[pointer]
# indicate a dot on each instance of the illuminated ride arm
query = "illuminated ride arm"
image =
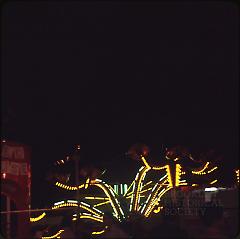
(82, 205)
(108, 190)
(157, 192)
(204, 171)
(138, 184)
(137, 187)
(36, 219)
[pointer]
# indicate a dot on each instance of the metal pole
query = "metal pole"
(77, 157)
(8, 218)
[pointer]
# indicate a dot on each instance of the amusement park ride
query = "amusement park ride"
(143, 197)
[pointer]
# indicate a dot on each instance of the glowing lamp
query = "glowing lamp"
(212, 189)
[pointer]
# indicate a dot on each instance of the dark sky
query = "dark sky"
(107, 75)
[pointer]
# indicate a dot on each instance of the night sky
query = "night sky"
(108, 75)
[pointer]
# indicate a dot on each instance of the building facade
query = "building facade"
(15, 190)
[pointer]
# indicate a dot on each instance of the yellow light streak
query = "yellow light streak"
(237, 174)
(158, 209)
(178, 175)
(147, 184)
(96, 198)
(90, 210)
(104, 188)
(98, 233)
(153, 204)
(129, 188)
(153, 193)
(75, 205)
(211, 170)
(87, 214)
(145, 190)
(129, 193)
(110, 199)
(159, 168)
(55, 235)
(214, 181)
(169, 176)
(146, 203)
(139, 187)
(87, 183)
(90, 217)
(151, 197)
(194, 185)
(65, 205)
(35, 219)
(145, 162)
(142, 196)
(131, 202)
(155, 199)
(201, 170)
(100, 204)
(71, 188)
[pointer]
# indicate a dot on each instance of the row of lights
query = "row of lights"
(109, 192)
(139, 185)
(211, 170)
(89, 216)
(62, 161)
(65, 205)
(35, 219)
(99, 232)
(81, 205)
(57, 235)
(99, 185)
(71, 188)
(202, 170)
(156, 202)
(179, 172)
(102, 203)
(97, 198)
(138, 181)
(214, 181)
(149, 197)
(150, 203)
(237, 174)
